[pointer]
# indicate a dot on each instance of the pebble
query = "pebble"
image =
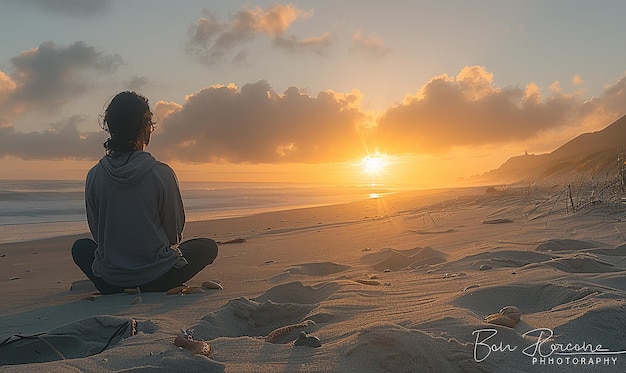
(512, 312)
(500, 319)
(507, 316)
(307, 341)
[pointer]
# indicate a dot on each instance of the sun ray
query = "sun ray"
(374, 164)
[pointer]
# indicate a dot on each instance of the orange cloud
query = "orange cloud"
(476, 82)
(532, 93)
(212, 41)
(255, 124)
(577, 80)
(258, 125)
(164, 109)
(6, 83)
(7, 109)
(469, 111)
(274, 21)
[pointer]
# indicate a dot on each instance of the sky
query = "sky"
(302, 91)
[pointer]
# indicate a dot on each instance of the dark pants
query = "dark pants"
(199, 252)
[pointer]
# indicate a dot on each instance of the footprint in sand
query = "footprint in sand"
(395, 260)
(296, 292)
(498, 259)
(284, 306)
(383, 347)
(605, 323)
(567, 245)
(310, 269)
(581, 263)
(529, 298)
(317, 269)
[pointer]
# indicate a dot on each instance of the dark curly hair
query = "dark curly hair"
(128, 120)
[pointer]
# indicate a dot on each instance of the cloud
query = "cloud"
(254, 124)
(468, 110)
(577, 80)
(49, 75)
(371, 47)
(72, 8)
(257, 125)
(317, 44)
(136, 83)
(212, 41)
(61, 143)
(7, 109)
(164, 109)
(614, 98)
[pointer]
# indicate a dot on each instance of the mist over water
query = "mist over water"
(35, 209)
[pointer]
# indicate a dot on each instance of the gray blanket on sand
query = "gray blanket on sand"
(82, 338)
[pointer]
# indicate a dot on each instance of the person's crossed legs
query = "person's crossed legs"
(199, 253)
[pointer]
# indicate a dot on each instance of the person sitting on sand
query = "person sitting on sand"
(135, 211)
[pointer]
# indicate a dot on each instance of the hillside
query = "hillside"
(586, 157)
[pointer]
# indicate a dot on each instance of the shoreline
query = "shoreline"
(208, 203)
(194, 217)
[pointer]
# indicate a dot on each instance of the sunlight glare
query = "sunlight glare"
(373, 164)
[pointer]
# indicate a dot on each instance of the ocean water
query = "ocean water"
(35, 209)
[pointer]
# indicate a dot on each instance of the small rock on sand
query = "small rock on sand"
(307, 340)
(507, 316)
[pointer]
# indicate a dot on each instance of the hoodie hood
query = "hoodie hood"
(128, 168)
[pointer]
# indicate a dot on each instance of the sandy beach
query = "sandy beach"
(399, 283)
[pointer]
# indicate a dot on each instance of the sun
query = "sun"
(374, 164)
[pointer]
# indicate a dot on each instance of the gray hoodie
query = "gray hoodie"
(135, 214)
